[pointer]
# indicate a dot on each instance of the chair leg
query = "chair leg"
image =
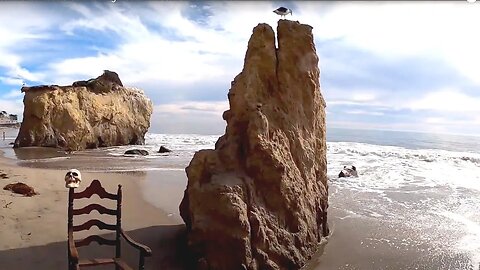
(141, 263)
(72, 266)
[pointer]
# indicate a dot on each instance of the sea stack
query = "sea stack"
(259, 199)
(88, 114)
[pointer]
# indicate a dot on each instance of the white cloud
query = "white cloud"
(206, 53)
(189, 117)
(116, 18)
(364, 112)
(468, 120)
(12, 106)
(467, 124)
(15, 93)
(447, 100)
(146, 55)
(21, 25)
(444, 100)
(363, 97)
(400, 29)
(215, 108)
(418, 126)
(434, 120)
(360, 97)
(11, 81)
(89, 67)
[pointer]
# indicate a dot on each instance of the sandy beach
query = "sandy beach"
(33, 230)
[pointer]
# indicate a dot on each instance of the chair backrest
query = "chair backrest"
(96, 188)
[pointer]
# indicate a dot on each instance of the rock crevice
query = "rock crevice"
(259, 200)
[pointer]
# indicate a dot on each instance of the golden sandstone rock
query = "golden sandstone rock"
(89, 114)
(259, 200)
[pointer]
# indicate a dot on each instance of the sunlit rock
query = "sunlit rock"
(259, 200)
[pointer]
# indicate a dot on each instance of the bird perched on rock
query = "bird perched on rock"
(283, 11)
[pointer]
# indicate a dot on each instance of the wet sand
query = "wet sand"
(33, 229)
(364, 244)
(360, 242)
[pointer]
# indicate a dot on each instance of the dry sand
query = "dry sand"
(33, 230)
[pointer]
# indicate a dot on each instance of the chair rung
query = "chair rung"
(102, 261)
(100, 240)
(89, 208)
(93, 262)
(95, 188)
(94, 222)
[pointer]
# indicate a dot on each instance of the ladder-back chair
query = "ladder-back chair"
(73, 261)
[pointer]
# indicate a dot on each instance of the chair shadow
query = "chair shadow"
(168, 244)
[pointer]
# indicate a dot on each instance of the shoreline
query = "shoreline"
(33, 229)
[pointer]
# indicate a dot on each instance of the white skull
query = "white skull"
(73, 178)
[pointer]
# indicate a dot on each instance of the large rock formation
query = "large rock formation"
(259, 200)
(95, 113)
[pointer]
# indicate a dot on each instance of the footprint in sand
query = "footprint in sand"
(26, 236)
(7, 205)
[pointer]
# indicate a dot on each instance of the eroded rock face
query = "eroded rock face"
(95, 113)
(259, 200)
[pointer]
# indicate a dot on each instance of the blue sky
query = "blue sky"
(384, 65)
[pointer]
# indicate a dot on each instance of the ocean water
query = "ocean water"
(415, 204)
(419, 193)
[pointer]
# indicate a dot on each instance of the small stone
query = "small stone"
(163, 149)
(139, 152)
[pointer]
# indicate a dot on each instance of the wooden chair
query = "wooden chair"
(73, 261)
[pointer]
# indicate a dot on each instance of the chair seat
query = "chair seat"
(94, 262)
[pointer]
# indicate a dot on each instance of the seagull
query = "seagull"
(283, 11)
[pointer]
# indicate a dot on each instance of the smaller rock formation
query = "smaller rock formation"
(139, 152)
(89, 114)
(163, 149)
(21, 188)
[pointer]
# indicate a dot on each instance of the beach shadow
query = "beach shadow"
(168, 244)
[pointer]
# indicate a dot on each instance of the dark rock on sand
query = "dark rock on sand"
(89, 114)
(259, 199)
(163, 149)
(348, 171)
(139, 152)
(21, 188)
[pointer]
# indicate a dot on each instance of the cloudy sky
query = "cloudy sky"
(384, 65)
